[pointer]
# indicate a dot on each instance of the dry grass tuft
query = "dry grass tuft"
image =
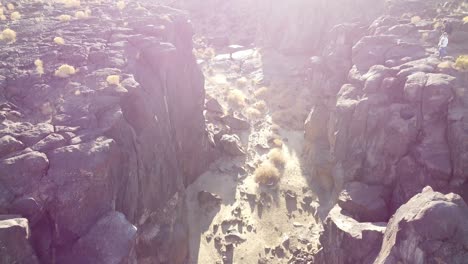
(236, 98)
(241, 82)
(121, 5)
(465, 20)
(65, 71)
(260, 106)
(15, 16)
(39, 66)
(113, 80)
(64, 18)
(276, 156)
(261, 92)
(8, 35)
(10, 6)
(462, 63)
(267, 173)
(82, 14)
(59, 40)
(253, 113)
(277, 143)
(70, 3)
(415, 19)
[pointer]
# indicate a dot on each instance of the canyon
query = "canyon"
(233, 132)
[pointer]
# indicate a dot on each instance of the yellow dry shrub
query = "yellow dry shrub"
(65, 71)
(39, 66)
(8, 35)
(465, 20)
(260, 106)
(10, 6)
(121, 5)
(15, 16)
(415, 19)
(113, 79)
(253, 113)
(59, 40)
(236, 98)
(276, 156)
(462, 62)
(2, 17)
(81, 15)
(70, 3)
(261, 92)
(277, 143)
(241, 82)
(267, 173)
(64, 18)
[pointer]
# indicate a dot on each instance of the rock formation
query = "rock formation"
(394, 127)
(100, 132)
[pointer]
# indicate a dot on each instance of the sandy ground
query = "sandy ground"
(262, 223)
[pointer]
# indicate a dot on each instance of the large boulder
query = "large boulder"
(14, 241)
(111, 240)
(345, 240)
(22, 173)
(430, 227)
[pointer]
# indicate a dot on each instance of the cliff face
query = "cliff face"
(87, 159)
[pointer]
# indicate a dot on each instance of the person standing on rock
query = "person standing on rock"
(443, 43)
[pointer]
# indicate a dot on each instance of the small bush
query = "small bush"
(121, 5)
(113, 80)
(81, 14)
(276, 156)
(260, 106)
(8, 35)
(15, 16)
(2, 17)
(465, 20)
(236, 98)
(59, 40)
(70, 3)
(267, 173)
(253, 113)
(241, 82)
(65, 71)
(39, 66)
(277, 143)
(261, 92)
(462, 62)
(64, 18)
(10, 6)
(415, 19)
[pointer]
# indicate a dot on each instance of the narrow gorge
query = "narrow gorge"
(243, 131)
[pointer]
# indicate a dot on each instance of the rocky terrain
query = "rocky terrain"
(183, 131)
(101, 149)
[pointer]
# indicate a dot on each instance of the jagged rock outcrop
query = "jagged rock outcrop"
(429, 228)
(107, 143)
